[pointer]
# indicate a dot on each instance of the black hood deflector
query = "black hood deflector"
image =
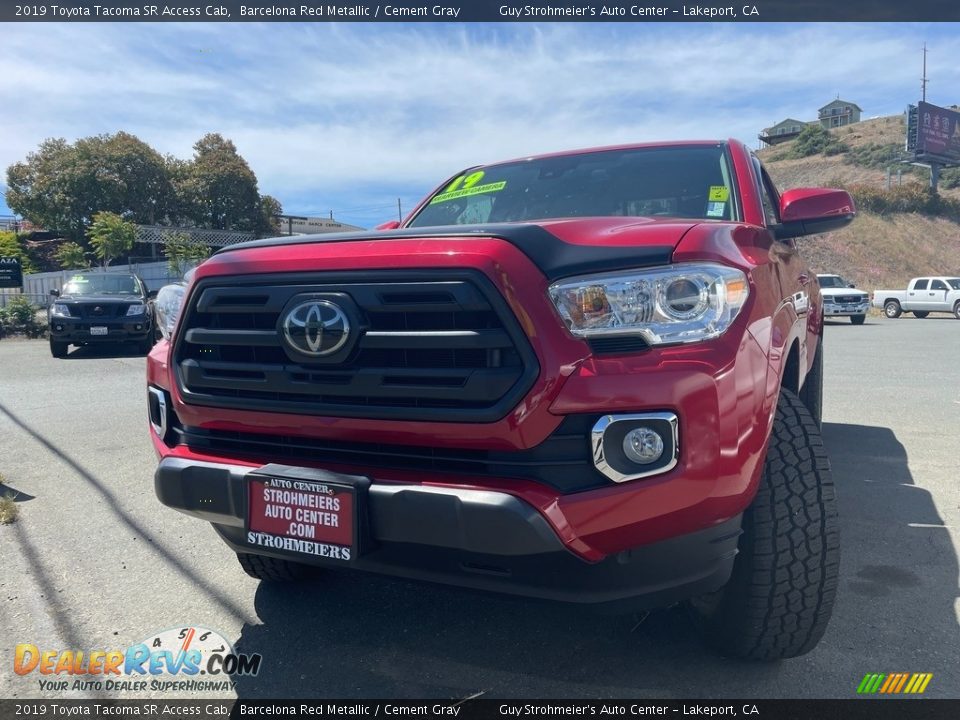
(555, 258)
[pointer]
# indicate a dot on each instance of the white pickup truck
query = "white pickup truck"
(842, 298)
(923, 296)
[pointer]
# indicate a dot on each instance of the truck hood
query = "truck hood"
(843, 292)
(98, 299)
(559, 248)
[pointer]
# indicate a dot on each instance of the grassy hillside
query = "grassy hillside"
(876, 250)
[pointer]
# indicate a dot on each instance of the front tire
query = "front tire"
(956, 310)
(892, 309)
(919, 314)
(784, 582)
(858, 319)
(273, 569)
(58, 349)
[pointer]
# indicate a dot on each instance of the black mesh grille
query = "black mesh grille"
(427, 347)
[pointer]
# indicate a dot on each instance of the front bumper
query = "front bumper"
(474, 538)
(127, 329)
(846, 309)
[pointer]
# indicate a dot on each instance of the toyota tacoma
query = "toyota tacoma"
(593, 376)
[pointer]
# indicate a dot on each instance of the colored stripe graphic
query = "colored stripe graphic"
(894, 683)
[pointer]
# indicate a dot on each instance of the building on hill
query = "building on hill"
(839, 113)
(781, 132)
(832, 115)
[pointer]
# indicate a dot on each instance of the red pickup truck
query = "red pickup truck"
(593, 376)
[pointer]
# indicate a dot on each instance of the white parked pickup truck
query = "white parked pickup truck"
(842, 298)
(923, 296)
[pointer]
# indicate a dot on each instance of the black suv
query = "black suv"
(101, 307)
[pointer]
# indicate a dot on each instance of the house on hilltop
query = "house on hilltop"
(839, 113)
(781, 132)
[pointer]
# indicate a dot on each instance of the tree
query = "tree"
(12, 246)
(71, 256)
(61, 186)
(269, 220)
(111, 236)
(217, 189)
(183, 252)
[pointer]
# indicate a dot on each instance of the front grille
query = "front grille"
(427, 346)
(849, 299)
(562, 461)
(95, 311)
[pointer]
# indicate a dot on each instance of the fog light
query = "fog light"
(635, 445)
(642, 446)
(138, 326)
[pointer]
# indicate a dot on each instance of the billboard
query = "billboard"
(11, 272)
(933, 133)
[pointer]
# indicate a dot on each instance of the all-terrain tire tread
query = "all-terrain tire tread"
(781, 595)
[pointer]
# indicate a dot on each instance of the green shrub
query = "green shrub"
(910, 198)
(19, 317)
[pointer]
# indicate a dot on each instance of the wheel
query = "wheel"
(274, 569)
(919, 314)
(811, 394)
(858, 319)
(891, 309)
(781, 593)
(145, 345)
(58, 349)
(956, 310)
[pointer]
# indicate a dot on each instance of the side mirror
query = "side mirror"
(389, 225)
(152, 295)
(807, 211)
(851, 285)
(55, 292)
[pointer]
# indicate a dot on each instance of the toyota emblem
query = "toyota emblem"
(316, 327)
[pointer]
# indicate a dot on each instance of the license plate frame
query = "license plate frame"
(315, 491)
(99, 330)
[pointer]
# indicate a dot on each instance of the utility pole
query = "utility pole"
(923, 80)
(399, 211)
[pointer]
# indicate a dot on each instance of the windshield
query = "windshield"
(832, 281)
(954, 283)
(683, 182)
(102, 285)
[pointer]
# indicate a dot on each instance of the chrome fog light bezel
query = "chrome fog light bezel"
(601, 453)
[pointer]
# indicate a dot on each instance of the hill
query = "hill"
(875, 250)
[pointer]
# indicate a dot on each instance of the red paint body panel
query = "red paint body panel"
(723, 390)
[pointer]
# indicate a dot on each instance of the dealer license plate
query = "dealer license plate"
(98, 330)
(305, 516)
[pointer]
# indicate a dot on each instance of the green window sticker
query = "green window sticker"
(719, 193)
(454, 194)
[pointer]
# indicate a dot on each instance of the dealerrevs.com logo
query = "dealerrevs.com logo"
(191, 658)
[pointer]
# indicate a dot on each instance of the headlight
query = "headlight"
(687, 302)
(136, 310)
(168, 303)
(60, 310)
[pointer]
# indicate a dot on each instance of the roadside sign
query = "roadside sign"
(11, 272)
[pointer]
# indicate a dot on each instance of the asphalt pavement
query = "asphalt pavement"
(95, 562)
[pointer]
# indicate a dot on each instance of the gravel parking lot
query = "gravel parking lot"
(96, 562)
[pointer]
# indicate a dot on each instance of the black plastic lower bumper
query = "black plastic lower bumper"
(134, 329)
(480, 539)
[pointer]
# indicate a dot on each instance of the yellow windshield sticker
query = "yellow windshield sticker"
(464, 192)
(464, 182)
(719, 193)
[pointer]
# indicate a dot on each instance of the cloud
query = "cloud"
(358, 114)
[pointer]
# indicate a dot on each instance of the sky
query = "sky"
(350, 117)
